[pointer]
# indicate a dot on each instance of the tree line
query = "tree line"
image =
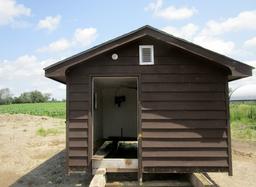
(35, 96)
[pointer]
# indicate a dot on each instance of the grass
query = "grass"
(51, 109)
(242, 116)
(47, 132)
(243, 120)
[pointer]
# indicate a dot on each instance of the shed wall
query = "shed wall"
(183, 108)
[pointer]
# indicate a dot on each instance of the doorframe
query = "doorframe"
(91, 117)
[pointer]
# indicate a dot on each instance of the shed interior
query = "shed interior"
(115, 117)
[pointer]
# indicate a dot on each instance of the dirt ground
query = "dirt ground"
(29, 159)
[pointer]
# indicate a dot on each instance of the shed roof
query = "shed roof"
(238, 69)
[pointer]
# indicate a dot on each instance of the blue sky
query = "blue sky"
(34, 34)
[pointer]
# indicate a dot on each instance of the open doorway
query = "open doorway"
(114, 110)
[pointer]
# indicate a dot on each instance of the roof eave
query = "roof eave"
(238, 69)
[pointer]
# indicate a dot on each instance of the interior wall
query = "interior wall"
(114, 118)
(109, 118)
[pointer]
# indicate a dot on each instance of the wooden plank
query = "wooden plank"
(200, 180)
(206, 152)
(162, 96)
(182, 105)
(183, 169)
(78, 134)
(83, 96)
(77, 162)
(114, 163)
(80, 124)
(79, 79)
(183, 115)
(77, 114)
(93, 68)
(99, 179)
(183, 124)
(182, 87)
(76, 88)
(185, 163)
(185, 133)
(78, 143)
(78, 105)
(186, 143)
(78, 152)
(182, 78)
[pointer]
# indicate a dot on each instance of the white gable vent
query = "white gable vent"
(146, 55)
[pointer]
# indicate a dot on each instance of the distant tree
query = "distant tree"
(24, 98)
(32, 97)
(37, 97)
(5, 96)
(54, 100)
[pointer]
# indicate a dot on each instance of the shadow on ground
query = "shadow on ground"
(52, 173)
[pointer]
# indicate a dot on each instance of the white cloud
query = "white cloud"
(10, 11)
(191, 33)
(81, 37)
(27, 74)
(243, 21)
(56, 46)
(50, 23)
(216, 44)
(170, 12)
(250, 43)
(187, 31)
(85, 36)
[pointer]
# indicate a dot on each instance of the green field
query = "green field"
(243, 120)
(242, 115)
(52, 109)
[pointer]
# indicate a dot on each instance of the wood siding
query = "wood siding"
(183, 109)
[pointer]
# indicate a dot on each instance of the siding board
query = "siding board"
(77, 162)
(192, 133)
(183, 115)
(78, 114)
(78, 153)
(78, 105)
(158, 96)
(182, 87)
(74, 88)
(185, 163)
(80, 124)
(181, 105)
(169, 153)
(80, 97)
(186, 143)
(78, 134)
(183, 124)
(78, 143)
(186, 78)
(93, 68)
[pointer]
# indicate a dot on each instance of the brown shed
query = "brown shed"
(148, 102)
